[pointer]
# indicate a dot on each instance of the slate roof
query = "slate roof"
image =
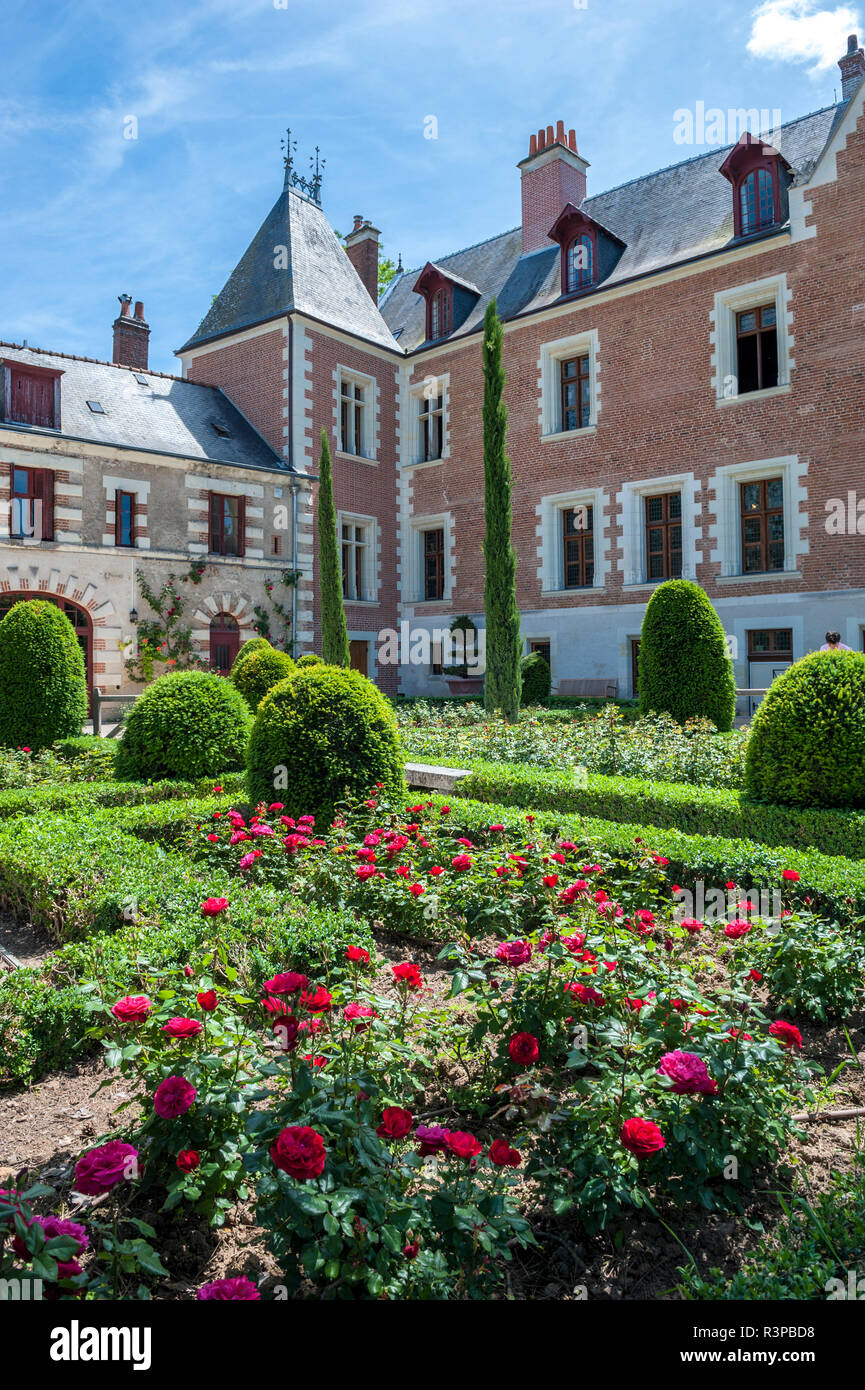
(663, 218)
(167, 415)
(319, 279)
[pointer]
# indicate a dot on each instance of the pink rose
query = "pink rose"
(103, 1168)
(688, 1074)
(173, 1097)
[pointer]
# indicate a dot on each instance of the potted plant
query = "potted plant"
(464, 679)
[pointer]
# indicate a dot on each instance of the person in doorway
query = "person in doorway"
(833, 643)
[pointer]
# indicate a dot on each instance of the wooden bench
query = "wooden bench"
(603, 688)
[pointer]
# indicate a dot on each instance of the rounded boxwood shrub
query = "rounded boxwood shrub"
(310, 659)
(43, 686)
(536, 679)
(187, 724)
(324, 735)
(685, 668)
(807, 742)
(255, 644)
(261, 671)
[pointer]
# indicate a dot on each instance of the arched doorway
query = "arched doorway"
(78, 617)
(224, 642)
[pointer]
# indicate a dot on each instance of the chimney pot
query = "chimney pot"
(572, 140)
(358, 221)
(550, 135)
(131, 335)
(852, 43)
(560, 131)
(139, 310)
(533, 144)
(542, 139)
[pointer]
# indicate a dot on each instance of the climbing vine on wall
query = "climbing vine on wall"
(276, 626)
(162, 639)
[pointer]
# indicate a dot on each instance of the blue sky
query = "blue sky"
(88, 213)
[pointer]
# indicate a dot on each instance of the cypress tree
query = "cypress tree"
(334, 633)
(503, 679)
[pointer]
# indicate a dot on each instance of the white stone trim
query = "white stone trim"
(826, 170)
(372, 553)
(221, 485)
(549, 394)
(417, 526)
(633, 562)
(550, 548)
(722, 333)
(724, 532)
(371, 413)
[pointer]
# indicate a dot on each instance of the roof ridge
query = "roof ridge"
(101, 362)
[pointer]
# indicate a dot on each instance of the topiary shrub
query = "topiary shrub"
(43, 686)
(321, 736)
(536, 679)
(310, 659)
(685, 668)
(807, 743)
(188, 724)
(260, 672)
(255, 644)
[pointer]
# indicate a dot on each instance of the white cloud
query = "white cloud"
(794, 31)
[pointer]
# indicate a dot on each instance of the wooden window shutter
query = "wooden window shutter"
(46, 491)
(212, 543)
(241, 525)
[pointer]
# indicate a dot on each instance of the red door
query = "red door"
(224, 642)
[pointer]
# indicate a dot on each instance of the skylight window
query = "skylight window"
(142, 380)
(220, 430)
(96, 407)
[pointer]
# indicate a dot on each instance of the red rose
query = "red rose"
(131, 1008)
(188, 1160)
(408, 974)
(436, 871)
(289, 982)
(286, 1031)
(359, 1015)
(212, 907)
(416, 889)
(358, 955)
(524, 1048)
(463, 1145)
(787, 1034)
(503, 1156)
(317, 1001)
(461, 862)
(550, 880)
(300, 1152)
(173, 1097)
(207, 1000)
(411, 1250)
(642, 1137)
(791, 875)
(396, 1123)
(181, 1027)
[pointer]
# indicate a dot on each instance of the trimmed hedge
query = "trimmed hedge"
(321, 736)
(807, 744)
(694, 809)
(249, 648)
(685, 668)
(536, 679)
(79, 796)
(43, 687)
(261, 671)
(188, 724)
(119, 902)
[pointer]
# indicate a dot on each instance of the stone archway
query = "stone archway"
(229, 605)
(105, 635)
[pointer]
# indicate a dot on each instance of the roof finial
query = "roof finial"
(288, 145)
(310, 187)
(399, 269)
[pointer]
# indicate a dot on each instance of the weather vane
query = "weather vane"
(310, 186)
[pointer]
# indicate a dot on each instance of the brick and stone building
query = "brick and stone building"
(685, 359)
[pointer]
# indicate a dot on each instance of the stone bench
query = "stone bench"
(603, 688)
(435, 779)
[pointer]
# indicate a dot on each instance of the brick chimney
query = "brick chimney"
(131, 335)
(553, 174)
(852, 67)
(361, 247)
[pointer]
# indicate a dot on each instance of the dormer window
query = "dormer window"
(30, 395)
(440, 314)
(759, 175)
(581, 263)
(449, 300)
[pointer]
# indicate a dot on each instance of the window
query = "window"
(581, 263)
(578, 543)
(353, 426)
(32, 515)
(434, 563)
(355, 543)
(542, 646)
(576, 389)
(757, 349)
(765, 643)
(664, 536)
(124, 518)
(440, 314)
(96, 407)
(227, 524)
(31, 396)
(431, 427)
(276, 545)
(762, 509)
(756, 202)
(224, 642)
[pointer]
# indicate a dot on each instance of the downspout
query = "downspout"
(293, 484)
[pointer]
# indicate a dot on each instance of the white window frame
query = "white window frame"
(419, 526)
(550, 403)
(370, 555)
(632, 510)
(728, 303)
(725, 531)
(367, 449)
(433, 385)
(551, 550)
